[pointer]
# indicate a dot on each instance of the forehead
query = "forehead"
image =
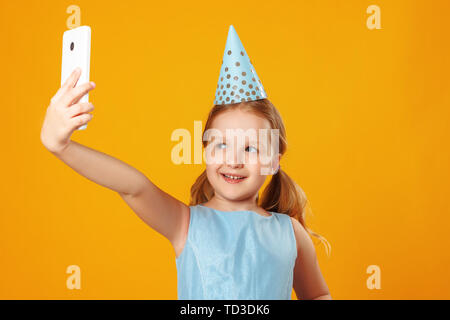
(238, 119)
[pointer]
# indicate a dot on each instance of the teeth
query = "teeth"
(232, 177)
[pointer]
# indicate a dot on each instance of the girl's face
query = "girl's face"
(241, 158)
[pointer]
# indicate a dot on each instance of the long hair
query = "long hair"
(282, 194)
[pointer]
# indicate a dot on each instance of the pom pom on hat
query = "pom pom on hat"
(238, 81)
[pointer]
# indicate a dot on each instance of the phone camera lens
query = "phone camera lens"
(71, 46)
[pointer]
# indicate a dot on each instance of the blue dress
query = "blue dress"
(236, 255)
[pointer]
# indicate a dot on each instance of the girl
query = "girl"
(228, 242)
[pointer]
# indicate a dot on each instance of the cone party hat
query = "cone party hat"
(238, 81)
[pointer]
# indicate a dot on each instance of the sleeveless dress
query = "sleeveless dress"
(236, 255)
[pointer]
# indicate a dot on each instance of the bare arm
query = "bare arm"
(309, 283)
(102, 169)
(162, 212)
(159, 210)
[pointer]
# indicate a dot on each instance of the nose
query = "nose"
(234, 159)
(235, 165)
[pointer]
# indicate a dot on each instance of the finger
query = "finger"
(77, 121)
(75, 94)
(79, 108)
(69, 83)
(72, 80)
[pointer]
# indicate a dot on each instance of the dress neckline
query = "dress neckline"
(237, 211)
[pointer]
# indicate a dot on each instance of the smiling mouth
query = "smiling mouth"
(233, 178)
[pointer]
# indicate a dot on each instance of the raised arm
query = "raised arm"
(159, 210)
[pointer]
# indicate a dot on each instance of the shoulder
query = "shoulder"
(302, 238)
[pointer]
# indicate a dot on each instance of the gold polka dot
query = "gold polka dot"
(243, 99)
(232, 93)
(221, 86)
(253, 79)
(226, 69)
(244, 82)
(228, 85)
(220, 98)
(241, 90)
(257, 88)
(229, 52)
(247, 93)
(235, 87)
(250, 86)
(224, 92)
(248, 99)
(253, 92)
(237, 64)
(221, 79)
(242, 53)
(236, 78)
(232, 101)
(244, 73)
(223, 102)
(228, 98)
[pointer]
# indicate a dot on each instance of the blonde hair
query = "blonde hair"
(282, 194)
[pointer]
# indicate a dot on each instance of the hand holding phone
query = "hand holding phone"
(66, 113)
(76, 53)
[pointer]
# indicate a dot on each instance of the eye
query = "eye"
(250, 147)
(220, 144)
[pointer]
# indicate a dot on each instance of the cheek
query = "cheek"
(211, 172)
(252, 159)
(266, 165)
(255, 171)
(214, 156)
(259, 172)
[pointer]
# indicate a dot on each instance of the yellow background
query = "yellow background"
(366, 112)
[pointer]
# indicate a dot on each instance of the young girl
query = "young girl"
(229, 243)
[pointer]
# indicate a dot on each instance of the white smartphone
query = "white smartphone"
(76, 52)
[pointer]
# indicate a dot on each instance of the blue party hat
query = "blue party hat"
(238, 80)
